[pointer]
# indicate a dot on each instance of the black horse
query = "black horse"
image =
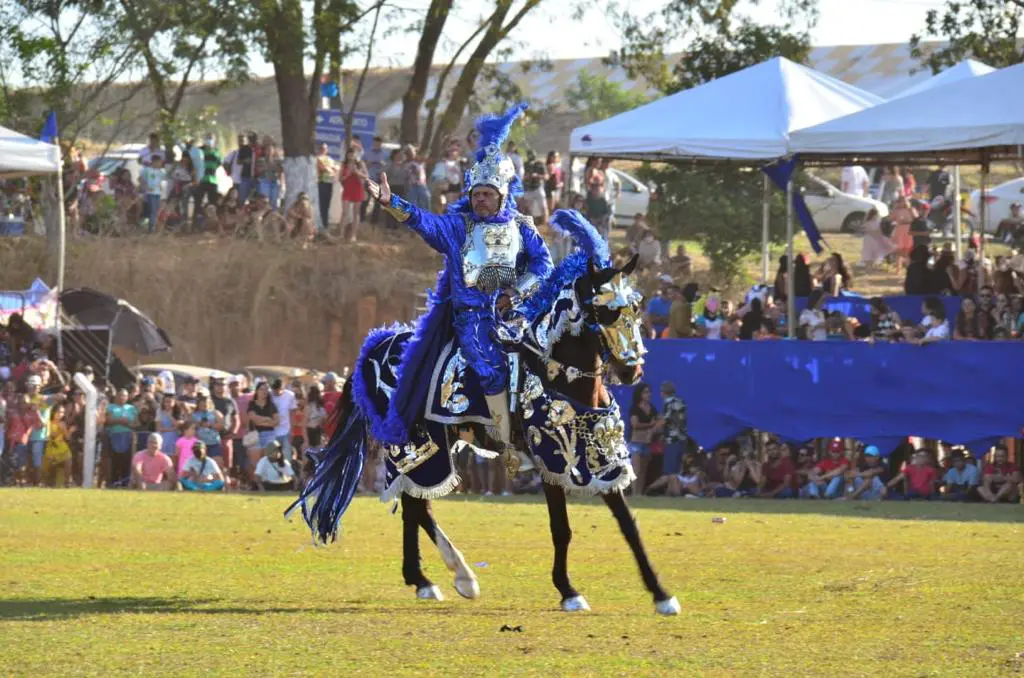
(580, 329)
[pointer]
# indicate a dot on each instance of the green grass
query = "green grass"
(110, 583)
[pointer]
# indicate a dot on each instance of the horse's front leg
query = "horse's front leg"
(413, 510)
(465, 579)
(561, 536)
(664, 603)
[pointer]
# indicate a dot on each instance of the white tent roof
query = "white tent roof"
(968, 68)
(747, 115)
(20, 154)
(954, 122)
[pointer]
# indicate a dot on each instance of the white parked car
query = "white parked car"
(997, 202)
(634, 199)
(835, 211)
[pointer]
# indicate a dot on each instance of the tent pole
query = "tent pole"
(981, 221)
(790, 279)
(61, 243)
(110, 345)
(765, 217)
(956, 214)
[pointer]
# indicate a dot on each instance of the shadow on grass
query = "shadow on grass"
(882, 510)
(51, 609)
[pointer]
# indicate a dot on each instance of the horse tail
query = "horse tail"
(338, 468)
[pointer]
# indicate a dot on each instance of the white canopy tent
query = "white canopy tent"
(745, 116)
(968, 68)
(21, 155)
(973, 120)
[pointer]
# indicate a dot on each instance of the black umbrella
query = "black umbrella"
(129, 327)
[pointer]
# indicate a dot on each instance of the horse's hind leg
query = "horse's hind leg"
(465, 580)
(412, 510)
(561, 536)
(663, 602)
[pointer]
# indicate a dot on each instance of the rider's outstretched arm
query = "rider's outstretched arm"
(435, 229)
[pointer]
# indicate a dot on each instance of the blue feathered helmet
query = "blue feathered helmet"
(493, 168)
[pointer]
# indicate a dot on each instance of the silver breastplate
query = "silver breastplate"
(489, 255)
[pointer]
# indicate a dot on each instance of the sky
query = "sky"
(840, 22)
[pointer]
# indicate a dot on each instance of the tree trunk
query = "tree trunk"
(433, 25)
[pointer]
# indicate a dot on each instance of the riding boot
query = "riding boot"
(513, 459)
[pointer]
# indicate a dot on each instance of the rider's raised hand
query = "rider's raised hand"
(380, 191)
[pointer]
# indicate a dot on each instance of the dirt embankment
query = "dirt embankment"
(228, 303)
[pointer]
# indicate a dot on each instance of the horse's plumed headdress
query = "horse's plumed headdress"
(586, 237)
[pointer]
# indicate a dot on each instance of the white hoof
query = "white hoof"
(467, 586)
(575, 604)
(429, 593)
(669, 607)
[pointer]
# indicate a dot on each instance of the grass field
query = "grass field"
(111, 583)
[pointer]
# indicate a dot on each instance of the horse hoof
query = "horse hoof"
(468, 587)
(429, 593)
(575, 604)
(669, 607)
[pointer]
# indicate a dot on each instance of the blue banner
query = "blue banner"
(959, 392)
(908, 307)
(780, 173)
(330, 129)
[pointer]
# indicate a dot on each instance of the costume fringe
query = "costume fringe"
(404, 485)
(595, 487)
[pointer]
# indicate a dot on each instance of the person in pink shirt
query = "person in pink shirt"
(21, 420)
(183, 448)
(152, 469)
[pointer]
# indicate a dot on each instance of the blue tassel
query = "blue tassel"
(339, 467)
(586, 237)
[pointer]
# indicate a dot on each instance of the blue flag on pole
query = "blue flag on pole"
(329, 89)
(49, 134)
(780, 173)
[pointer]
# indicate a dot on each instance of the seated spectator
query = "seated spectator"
(803, 471)
(886, 324)
(777, 474)
(919, 479)
(837, 328)
(1001, 480)
(273, 473)
(710, 320)
(659, 307)
(689, 483)
(648, 251)
(151, 468)
(812, 318)
(715, 469)
(934, 327)
(184, 445)
(743, 476)
(636, 230)
(681, 263)
(202, 474)
(966, 320)
(869, 479)
(827, 479)
(961, 480)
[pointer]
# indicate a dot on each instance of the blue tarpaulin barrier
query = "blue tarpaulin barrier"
(908, 307)
(959, 392)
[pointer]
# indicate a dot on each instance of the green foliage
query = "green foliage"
(719, 206)
(986, 30)
(597, 98)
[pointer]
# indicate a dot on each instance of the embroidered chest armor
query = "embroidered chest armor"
(489, 255)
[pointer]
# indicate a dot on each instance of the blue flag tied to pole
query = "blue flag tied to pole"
(329, 89)
(49, 134)
(780, 173)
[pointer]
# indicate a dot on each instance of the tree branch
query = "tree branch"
(362, 77)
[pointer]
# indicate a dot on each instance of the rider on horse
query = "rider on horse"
(494, 259)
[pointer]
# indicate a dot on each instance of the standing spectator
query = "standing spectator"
(777, 474)
(612, 187)
(240, 162)
(39, 405)
(680, 314)
(892, 185)
(332, 392)
(1001, 480)
(397, 178)
(316, 413)
(181, 179)
(152, 148)
(598, 210)
(299, 441)
(812, 318)
(834, 275)
(416, 179)
(919, 479)
(961, 480)
(827, 480)
(939, 184)
(264, 418)
(168, 423)
(151, 185)
(326, 170)
(446, 177)
(242, 397)
(21, 420)
(285, 403)
(75, 425)
(869, 479)
(145, 422)
(801, 277)
(120, 421)
(875, 247)
(225, 406)
(555, 181)
(375, 159)
(682, 264)
(353, 176)
(644, 425)
(208, 191)
(513, 154)
(209, 424)
(202, 474)
(674, 432)
(273, 472)
(126, 197)
(184, 445)
(902, 216)
(151, 468)
(269, 170)
(854, 181)
(534, 202)
(189, 393)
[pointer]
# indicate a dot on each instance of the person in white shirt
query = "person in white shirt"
(812, 318)
(284, 400)
(934, 324)
(151, 180)
(201, 473)
(147, 153)
(273, 472)
(855, 181)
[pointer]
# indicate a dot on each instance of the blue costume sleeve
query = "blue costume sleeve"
(436, 230)
(537, 254)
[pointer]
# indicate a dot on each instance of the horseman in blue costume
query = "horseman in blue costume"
(494, 259)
